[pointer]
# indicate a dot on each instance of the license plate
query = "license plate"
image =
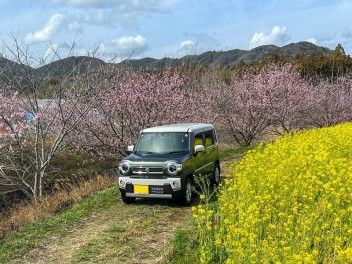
(141, 189)
(157, 189)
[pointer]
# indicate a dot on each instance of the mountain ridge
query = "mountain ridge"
(215, 59)
(231, 58)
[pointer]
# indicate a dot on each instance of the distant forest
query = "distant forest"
(332, 65)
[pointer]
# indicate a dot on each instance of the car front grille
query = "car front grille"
(147, 170)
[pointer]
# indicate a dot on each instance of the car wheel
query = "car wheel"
(187, 193)
(216, 175)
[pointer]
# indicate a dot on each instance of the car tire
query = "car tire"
(187, 192)
(127, 200)
(215, 180)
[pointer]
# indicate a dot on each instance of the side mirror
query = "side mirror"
(130, 148)
(198, 148)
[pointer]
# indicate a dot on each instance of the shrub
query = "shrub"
(288, 202)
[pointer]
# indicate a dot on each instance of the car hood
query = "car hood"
(157, 158)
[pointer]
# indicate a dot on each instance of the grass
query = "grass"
(142, 232)
(230, 155)
(184, 247)
(28, 212)
(32, 235)
(124, 232)
(92, 250)
(161, 230)
(233, 153)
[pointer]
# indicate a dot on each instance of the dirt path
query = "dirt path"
(138, 233)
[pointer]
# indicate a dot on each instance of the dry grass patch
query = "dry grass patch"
(28, 212)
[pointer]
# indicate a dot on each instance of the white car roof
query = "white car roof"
(186, 127)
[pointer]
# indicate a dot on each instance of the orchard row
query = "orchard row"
(102, 111)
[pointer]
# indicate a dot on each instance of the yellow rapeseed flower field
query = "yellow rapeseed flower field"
(289, 201)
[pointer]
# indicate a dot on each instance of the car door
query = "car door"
(210, 154)
(199, 158)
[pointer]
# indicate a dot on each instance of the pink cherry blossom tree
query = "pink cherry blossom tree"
(241, 106)
(289, 97)
(132, 101)
(13, 130)
(332, 102)
(251, 104)
(34, 130)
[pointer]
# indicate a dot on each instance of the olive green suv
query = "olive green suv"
(165, 160)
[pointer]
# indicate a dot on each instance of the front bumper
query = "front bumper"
(154, 188)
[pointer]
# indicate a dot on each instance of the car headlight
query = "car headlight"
(173, 168)
(124, 167)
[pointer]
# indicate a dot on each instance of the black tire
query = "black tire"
(187, 192)
(215, 180)
(127, 200)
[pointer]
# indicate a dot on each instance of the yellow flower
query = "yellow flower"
(289, 201)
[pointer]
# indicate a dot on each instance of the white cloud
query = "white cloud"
(95, 3)
(75, 26)
(277, 36)
(186, 44)
(124, 6)
(198, 43)
(85, 3)
(326, 39)
(188, 47)
(47, 31)
(312, 40)
(125, 47)
(94, 17)
(51, 53)
(109, 13)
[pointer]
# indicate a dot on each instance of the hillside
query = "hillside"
(216, 59)
(69, 65)
(10, 70)
(220, 59)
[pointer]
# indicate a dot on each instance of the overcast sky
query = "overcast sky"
(173, 28)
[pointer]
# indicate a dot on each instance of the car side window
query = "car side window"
(215, 137)
(209, 138)
(198, 139)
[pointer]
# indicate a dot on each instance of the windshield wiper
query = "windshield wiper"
(178, 151)
(148, 152)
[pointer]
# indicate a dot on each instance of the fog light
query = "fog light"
(175, 184)
(122, 182)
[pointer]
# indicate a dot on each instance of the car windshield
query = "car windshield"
(162, 143)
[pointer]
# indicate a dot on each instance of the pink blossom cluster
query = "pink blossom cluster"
(130, 103)
(277, 99)
(13, 125)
